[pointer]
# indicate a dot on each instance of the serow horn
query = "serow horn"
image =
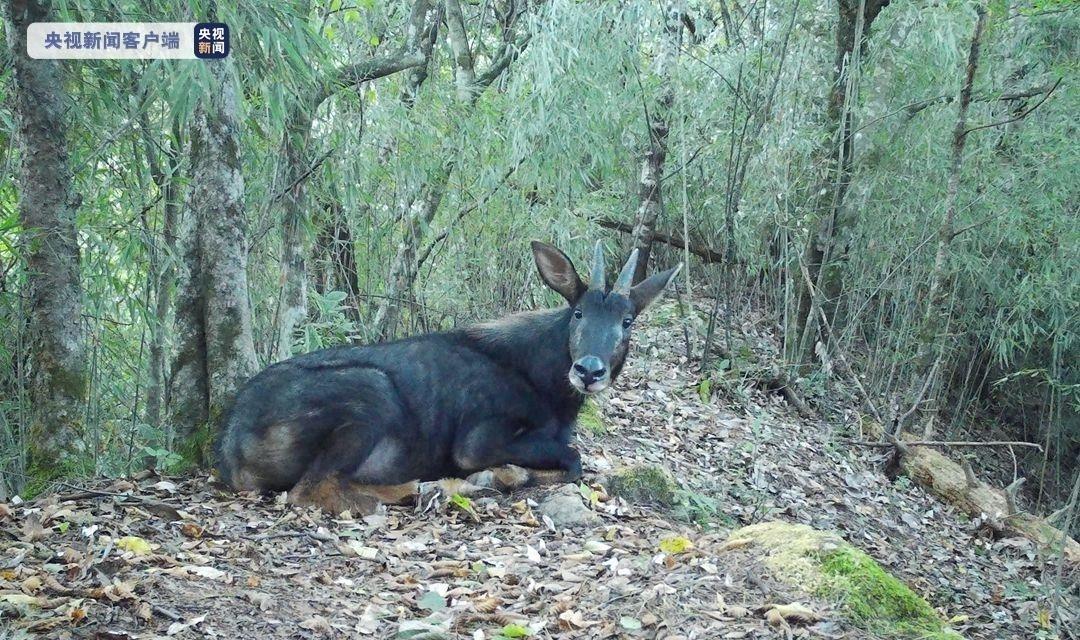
(626, 276)
(596, 280)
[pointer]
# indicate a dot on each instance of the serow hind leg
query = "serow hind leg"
(336, 493)
(333, 494)
(337, 482)
(539, 477)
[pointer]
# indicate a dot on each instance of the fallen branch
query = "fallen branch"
(957, 485)
(776, 380)
(945, 443)
(706, 253)
(915, 107)
(782, 383)
(1010, 495)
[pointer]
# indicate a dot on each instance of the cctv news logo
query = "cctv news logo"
(128, 40)
(211, 40)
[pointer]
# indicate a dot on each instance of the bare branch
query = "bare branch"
(310, 170)
(1010, 495)
(969, 475)
(507, 55)
(706, 253)
(410, 55)
(379, 67)
(843, 360)
(915, 107)
(1019, 116)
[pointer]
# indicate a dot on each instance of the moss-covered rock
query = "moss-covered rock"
(823, 564)
(645, 484)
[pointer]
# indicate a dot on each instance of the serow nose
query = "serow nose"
(590, 369)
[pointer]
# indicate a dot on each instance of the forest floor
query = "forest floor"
(178, 557)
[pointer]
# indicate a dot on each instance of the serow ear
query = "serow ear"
(557, 271)
(648, 289)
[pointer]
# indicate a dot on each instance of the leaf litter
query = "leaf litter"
(179, 557)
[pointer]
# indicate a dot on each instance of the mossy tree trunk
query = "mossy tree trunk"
(216, 352)
(292, 302)
(55, 338)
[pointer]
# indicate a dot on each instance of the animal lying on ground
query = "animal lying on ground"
(330, 425)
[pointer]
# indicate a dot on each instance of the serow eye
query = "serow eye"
(577, 313)
(627, 322)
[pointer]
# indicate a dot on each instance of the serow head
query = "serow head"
(601, 318)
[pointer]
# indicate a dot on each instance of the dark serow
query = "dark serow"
(439, 405)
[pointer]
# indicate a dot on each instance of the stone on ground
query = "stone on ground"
(566, 508)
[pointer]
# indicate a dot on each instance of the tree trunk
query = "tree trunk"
(343, 259)
(335, 267)
(166, 182)
(186, 394)
(47, 206)
(421, 212)
(652, 164)
(216, 351)
(835, 154)
(292, 303)
(937, 311)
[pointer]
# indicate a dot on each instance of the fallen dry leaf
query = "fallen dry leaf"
(32, 530)
(134, 544)
(179, 627)
(316, 623)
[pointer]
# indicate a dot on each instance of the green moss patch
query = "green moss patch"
(876, 600)
(645, 484)
(824, 565)
(40, 477)
(196, 451)
(590, 420)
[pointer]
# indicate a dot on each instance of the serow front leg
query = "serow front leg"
(548, 460)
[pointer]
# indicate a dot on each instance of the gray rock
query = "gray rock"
(566, 508)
